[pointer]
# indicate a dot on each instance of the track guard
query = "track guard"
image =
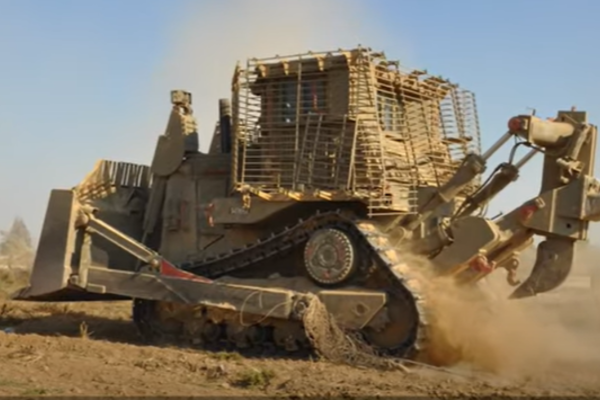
(552, 267)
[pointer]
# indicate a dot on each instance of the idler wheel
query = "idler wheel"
(399, 327)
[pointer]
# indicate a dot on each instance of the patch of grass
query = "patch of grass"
(253, 378)
(26, 389)
(35, 392)
(226, 356)
(84, 332)
(53, 309)
(6, 382)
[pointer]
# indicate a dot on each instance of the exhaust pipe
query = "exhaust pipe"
(225, 125)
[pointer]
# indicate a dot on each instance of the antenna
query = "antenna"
(533, 110)
(501, 213)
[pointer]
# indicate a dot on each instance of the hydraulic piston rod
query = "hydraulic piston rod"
(496, 146)
(506, 174)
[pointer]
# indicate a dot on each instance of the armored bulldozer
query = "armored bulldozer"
(325, 174)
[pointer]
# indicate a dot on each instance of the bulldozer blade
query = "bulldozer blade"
(56, 256)
(552, 267)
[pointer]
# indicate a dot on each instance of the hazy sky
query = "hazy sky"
(82, 80)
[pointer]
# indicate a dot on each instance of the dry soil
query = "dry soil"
(93, 349)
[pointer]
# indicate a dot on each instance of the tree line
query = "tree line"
(16, 247)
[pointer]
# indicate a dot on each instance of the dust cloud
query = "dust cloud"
(214, 36)
(556, 333)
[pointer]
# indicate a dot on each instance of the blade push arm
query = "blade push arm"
(92, 225)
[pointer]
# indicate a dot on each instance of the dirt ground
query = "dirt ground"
(93, 349)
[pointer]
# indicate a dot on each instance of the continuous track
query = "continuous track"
(383, 264)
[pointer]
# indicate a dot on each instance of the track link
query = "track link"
(404, 285)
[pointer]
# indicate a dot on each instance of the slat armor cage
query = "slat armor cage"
(347, 125)
(108, 176)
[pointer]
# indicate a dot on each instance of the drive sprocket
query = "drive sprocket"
(330, 257)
